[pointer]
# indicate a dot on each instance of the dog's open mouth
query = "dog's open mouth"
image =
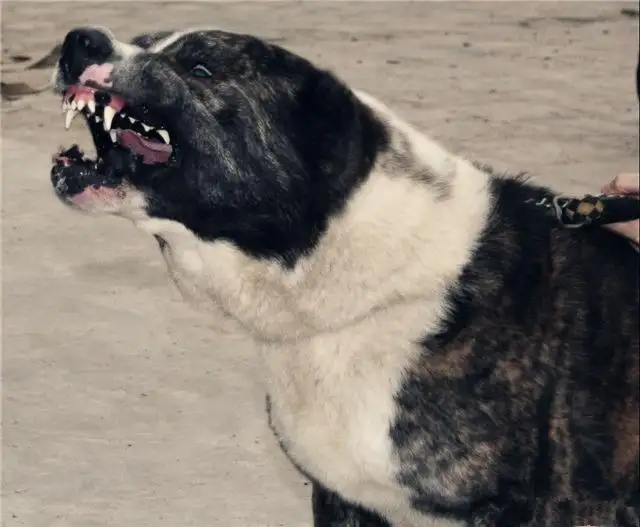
(111, 121)
(125, 138)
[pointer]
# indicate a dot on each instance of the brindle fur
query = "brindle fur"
(539, 338)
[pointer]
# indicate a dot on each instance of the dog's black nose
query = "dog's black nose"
(81, 48)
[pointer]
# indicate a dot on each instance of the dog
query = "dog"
(436, 352)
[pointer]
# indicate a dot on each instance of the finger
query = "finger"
(607, 189)
(625, 183)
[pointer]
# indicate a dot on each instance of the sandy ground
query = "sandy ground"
(120, 407)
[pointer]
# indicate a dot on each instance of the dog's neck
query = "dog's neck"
(393, 238)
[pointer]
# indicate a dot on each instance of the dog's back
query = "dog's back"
(544, 337)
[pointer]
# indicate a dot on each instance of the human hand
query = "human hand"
(629, 184)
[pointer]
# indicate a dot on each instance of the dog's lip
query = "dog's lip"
(78, 181)
(92, 192)
(85, 200)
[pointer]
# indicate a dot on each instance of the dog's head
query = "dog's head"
(229, 135)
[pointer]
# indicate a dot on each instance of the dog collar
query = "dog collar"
(590, 210)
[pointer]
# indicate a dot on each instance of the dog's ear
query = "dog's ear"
(147, 40)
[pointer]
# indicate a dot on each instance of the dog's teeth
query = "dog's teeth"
(65, 106)
(91, 106)
(81, 104)
(164, 134)
(109, 114)
(113, 135)
(71, 113)
(132, 120)
(74, 105)
(98, 119)
(146, 127)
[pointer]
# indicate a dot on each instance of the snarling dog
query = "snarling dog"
(436, 353)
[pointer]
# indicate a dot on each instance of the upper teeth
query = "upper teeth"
(109, 114)
(88, 105)
(71, 113)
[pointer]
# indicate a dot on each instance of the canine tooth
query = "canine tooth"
(109, 114)
(113, 135)
(74, 105)
(146, 127)
(91, 106)
(71, 113)
(132, 120)
(81, 104)
(164, 134)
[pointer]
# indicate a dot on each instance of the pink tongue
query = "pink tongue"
(151, 151)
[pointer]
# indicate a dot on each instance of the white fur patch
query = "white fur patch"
(168, 40)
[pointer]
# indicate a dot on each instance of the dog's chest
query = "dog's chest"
(332, 395)
(332, 405)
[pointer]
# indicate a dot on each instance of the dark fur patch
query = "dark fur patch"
(286, 143)
(330, 510)
(147, 40)
(531, 387)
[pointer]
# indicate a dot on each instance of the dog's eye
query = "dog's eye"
(201, 72)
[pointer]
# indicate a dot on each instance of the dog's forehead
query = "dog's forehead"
(148, 40)
(192, 41)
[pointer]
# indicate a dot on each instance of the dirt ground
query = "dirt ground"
(121, 408)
